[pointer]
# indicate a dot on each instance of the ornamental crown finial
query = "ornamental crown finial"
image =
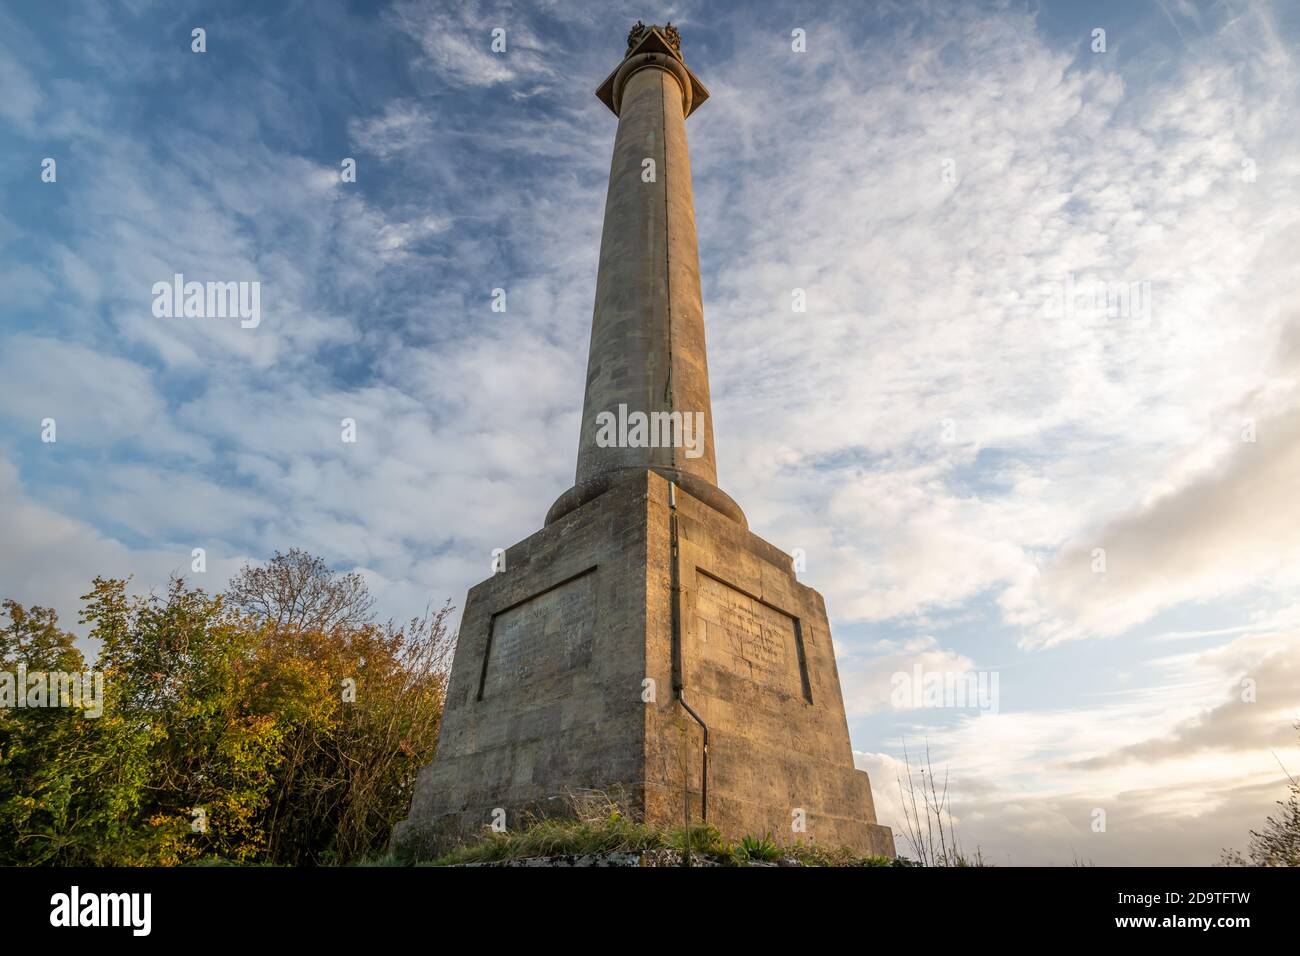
(673, 37)
(667, 31)
(635, 34)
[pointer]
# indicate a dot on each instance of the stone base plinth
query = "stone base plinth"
(564, 675)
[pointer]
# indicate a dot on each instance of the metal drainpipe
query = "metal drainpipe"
(679, 675)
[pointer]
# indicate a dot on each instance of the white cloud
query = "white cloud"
(926, 306)
(1182, 767)
(456, 42)
(1221, 533)
(403, 126)
(49, 559)
(22, 97)
(867, 681)
(95, 399)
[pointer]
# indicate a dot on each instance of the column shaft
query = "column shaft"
(647, 350)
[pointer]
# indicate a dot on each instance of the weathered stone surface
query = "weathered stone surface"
(523, 741)
(568, 714)
(764, 681)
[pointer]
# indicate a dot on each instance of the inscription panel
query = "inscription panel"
(747, 637)
(545, 637)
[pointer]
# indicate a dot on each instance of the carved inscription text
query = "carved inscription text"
(747, 637)
(547, 636)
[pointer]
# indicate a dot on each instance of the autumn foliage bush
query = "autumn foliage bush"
(277, 722)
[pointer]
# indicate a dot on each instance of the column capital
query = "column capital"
(653, 47)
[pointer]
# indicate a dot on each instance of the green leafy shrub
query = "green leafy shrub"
(231, 705)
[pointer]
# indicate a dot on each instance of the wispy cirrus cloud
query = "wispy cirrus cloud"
(453, 41)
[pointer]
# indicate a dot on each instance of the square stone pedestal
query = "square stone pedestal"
(563, 682)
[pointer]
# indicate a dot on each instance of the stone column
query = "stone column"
(647, 359)
(632, 579)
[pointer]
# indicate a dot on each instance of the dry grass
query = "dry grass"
(598, 823)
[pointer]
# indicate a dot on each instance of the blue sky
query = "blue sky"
(946, 451)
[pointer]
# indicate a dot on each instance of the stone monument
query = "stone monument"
(645, 643)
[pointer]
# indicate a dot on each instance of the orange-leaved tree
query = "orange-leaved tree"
(276, 723)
